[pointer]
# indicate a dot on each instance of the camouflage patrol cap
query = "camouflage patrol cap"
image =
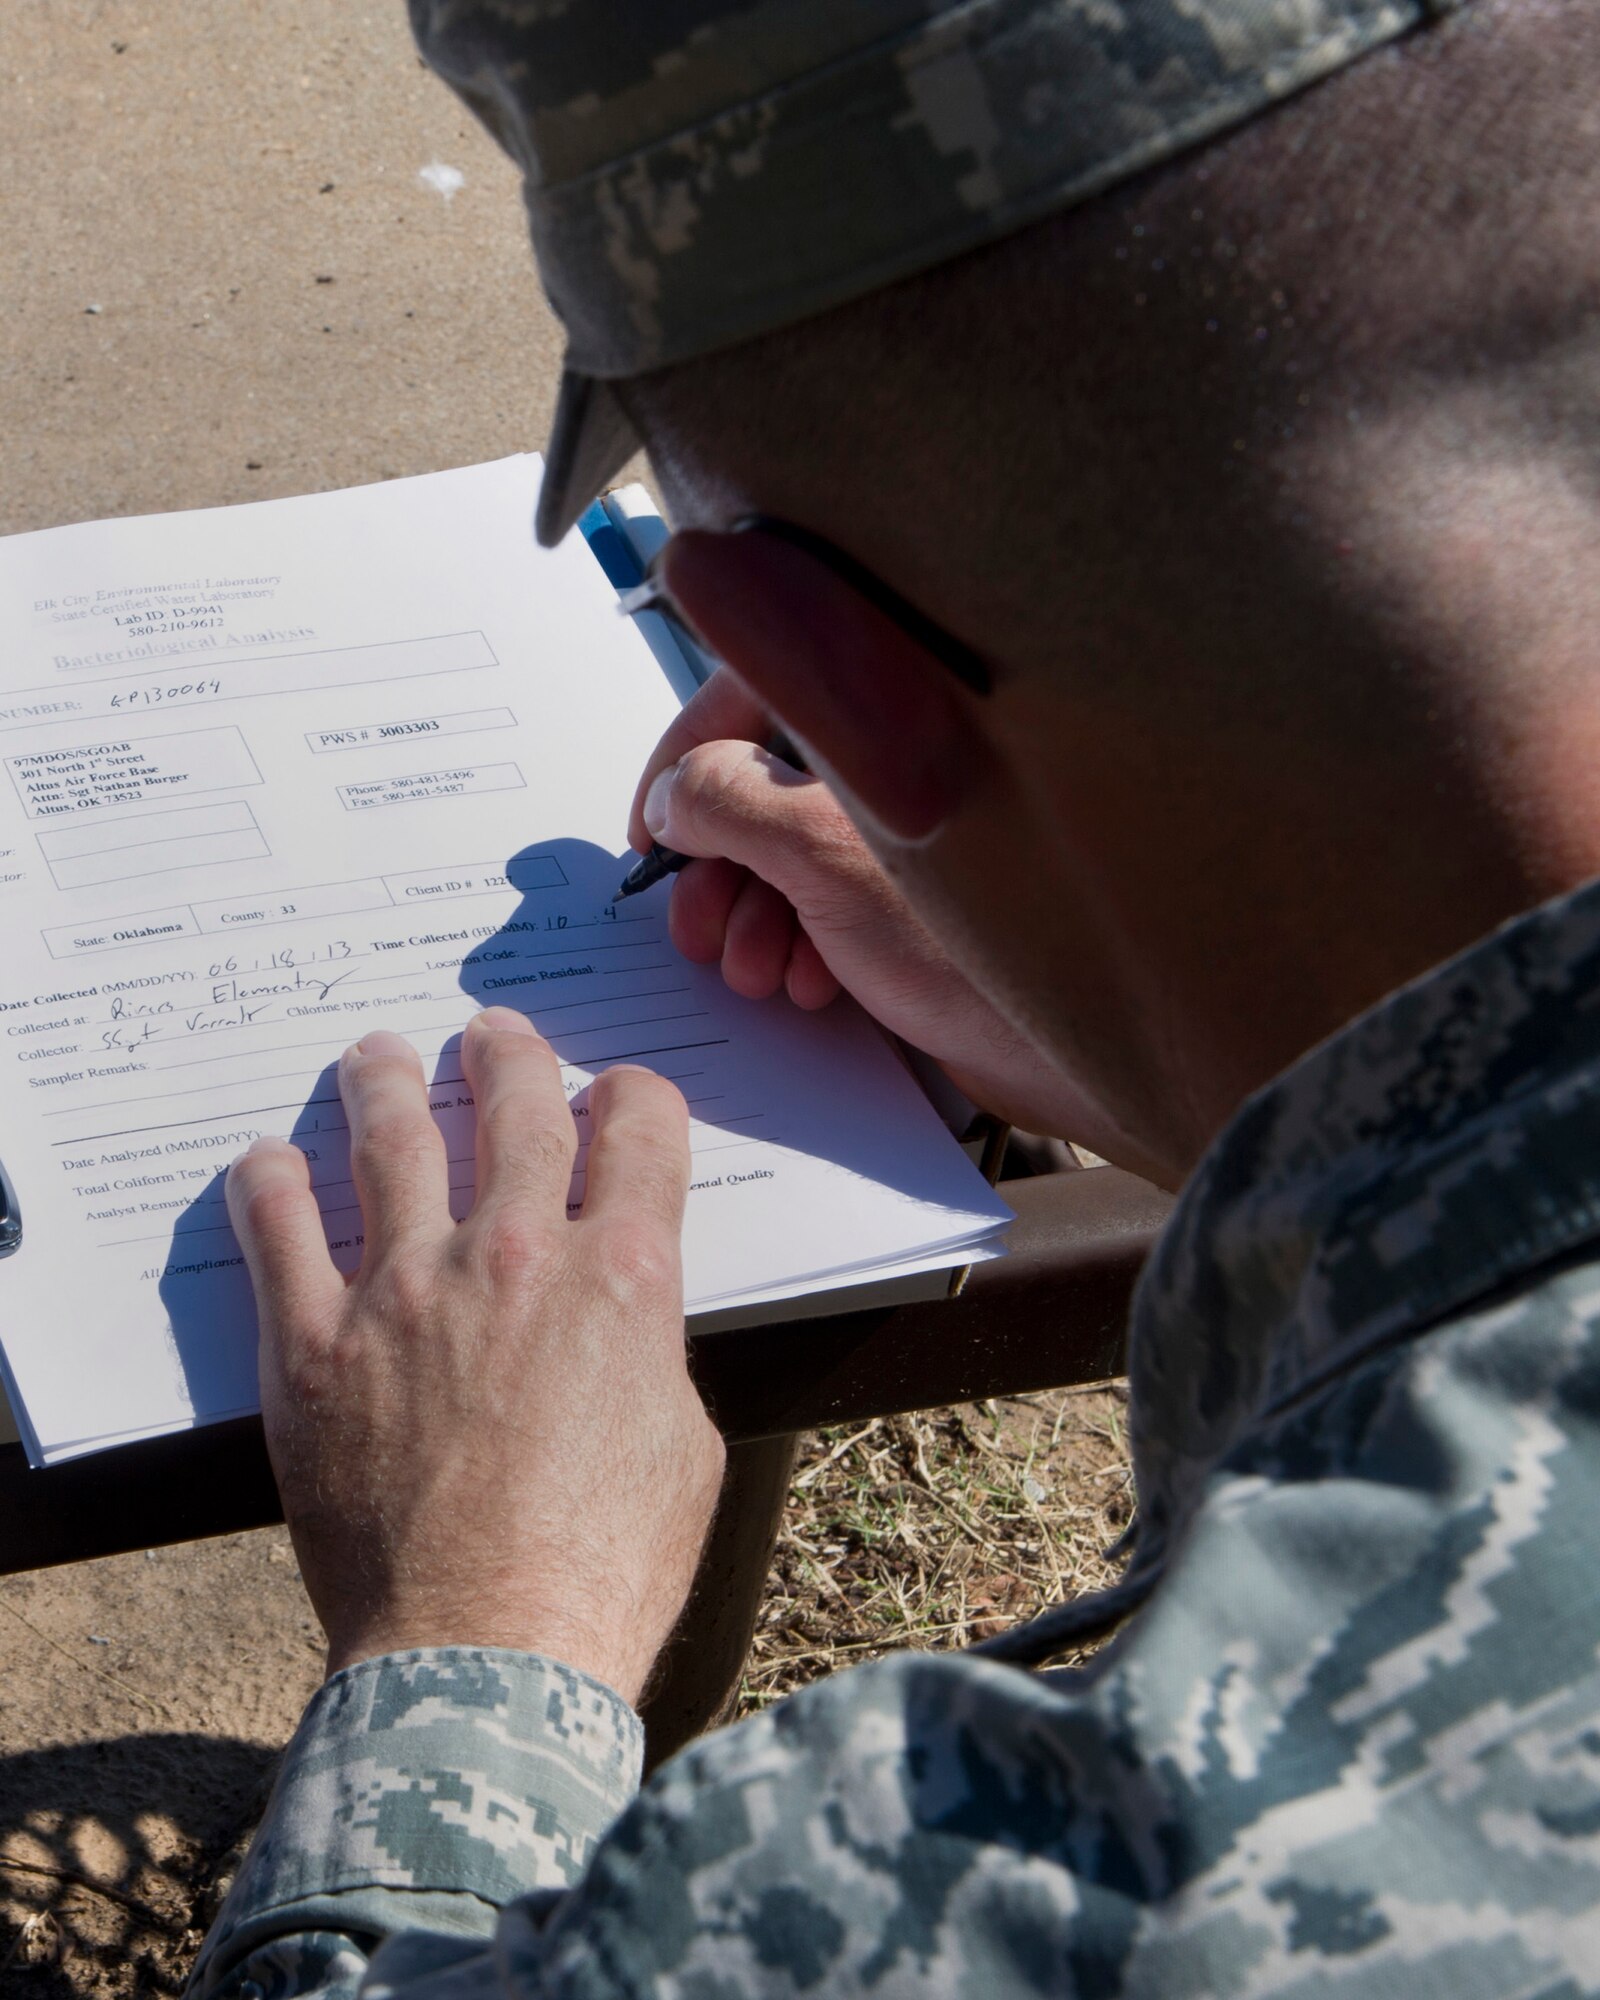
(701, 171)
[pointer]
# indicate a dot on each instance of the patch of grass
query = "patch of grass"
(939, 1529)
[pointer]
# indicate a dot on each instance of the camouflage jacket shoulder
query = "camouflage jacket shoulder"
(1350, 1745)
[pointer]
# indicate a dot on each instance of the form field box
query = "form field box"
(364, 735)
(523, 874)
(527, 871)
(138, 688)
(420, 785)
(535, 871)
(131, 771)
(114, 933)
(287, 906)
(157, 843)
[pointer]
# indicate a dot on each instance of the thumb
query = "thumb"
(739, 802)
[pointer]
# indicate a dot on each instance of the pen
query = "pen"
(952, 653)
(650, 869)
(661, 861)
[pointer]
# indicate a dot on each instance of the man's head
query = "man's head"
(1265, 482)
(701, 172)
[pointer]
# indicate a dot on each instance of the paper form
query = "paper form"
(278, 774)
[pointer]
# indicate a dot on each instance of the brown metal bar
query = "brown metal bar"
(696, 1680)
(1051, 1313)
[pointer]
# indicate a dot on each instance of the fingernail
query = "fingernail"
(382, 1042)
(504, 1021)
(267, 1143)
(655, 802)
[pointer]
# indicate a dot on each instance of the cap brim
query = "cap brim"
(591, 440)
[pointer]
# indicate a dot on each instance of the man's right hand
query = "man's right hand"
(789, 896)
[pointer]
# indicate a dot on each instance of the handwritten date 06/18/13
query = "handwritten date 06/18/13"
(283, 960)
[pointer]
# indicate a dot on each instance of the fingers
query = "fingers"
(807, 979)
(638, 1169)
(761, 929)
(741, 803)
(526, 1139)
(397, 1155)
(279, 1227)
(723, 708)
(702, 898)
(720, 911)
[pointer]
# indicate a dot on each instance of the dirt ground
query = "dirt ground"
(142, 1703)
(940, 1529)
(223, 275)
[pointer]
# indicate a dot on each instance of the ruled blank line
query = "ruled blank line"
(274, 1076)
(354, 1207)
(516, 958)
(643, 1021)
(255, 1110)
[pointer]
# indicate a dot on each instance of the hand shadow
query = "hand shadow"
(599, 979)
(605, 985)
(602, 981)
(204, 1284)
(565, 953)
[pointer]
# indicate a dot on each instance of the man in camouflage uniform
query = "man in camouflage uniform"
(1347, 1741)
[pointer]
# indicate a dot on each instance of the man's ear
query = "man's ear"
(873, 707)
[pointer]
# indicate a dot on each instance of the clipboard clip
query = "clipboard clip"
(10, 1215)
(648, 595)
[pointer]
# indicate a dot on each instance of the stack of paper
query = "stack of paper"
(279, 774)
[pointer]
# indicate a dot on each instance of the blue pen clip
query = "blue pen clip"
(10, 1216)
(650, 595)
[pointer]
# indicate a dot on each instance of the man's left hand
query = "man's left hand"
(488, 1436)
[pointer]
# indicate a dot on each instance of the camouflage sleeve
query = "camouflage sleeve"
(421, 1792)
(1350, 1750)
